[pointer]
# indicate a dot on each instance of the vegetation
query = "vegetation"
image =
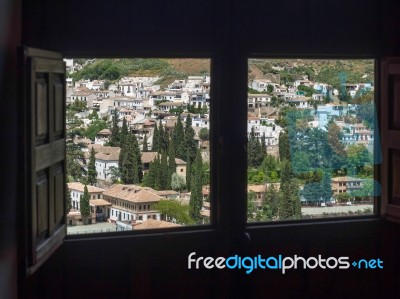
(173, 209)
(85, 205)
(92, 173)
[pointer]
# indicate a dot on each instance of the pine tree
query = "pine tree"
(289, 206)
(179, 139)
(145, 144)
(115, 137)
(85, 205)
(196, 196)
(92, 173)
(161, 136)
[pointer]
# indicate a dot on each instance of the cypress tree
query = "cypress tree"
(189, 141)
(165, 177)
(156, 139)
(145, 144)
(85, 205)
(161, 136)
(130, 161)
(263, 145)
(289, 206)
(149, 179)
(115, 137)
(179, 139)
(188, 174)
(171, 160)
(123, 133)
(272, 200)
(157, 173)
(92, 173)
(68, 205)
(284, 148)
(196, 196)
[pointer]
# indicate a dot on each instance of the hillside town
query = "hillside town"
(138, 151)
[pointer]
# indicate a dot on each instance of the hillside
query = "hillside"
(169, 69)
(333, 72)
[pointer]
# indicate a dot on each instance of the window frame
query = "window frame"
(378, 148)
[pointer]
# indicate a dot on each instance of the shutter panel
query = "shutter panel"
(390, 122)
(44, 154)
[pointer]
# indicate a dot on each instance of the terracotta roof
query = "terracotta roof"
(166, 192)
(104, 132)
(82, 93)
(108, 153)
(132, 193)
(152, 224)
(148, 157)
(256, 188)
(99, 202)
(80, 187)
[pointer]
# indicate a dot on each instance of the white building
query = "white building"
(77, 190)
(132, 203)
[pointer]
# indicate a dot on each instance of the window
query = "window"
(147, 133)
(309, 136)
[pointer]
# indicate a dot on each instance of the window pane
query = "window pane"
(312, 139)
(138, 139)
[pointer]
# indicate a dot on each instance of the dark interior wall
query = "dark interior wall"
(10, 39)
(227, 31)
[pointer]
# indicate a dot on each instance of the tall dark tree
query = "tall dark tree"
(123, 133)
(157, 173)
(189, 141)
(179, 139)
(165, 182)
(289, 205)
(161, 137)
(85, 205)
(156, 139)
(188, 174)
(130, 161)
(271, 202)
(171, 159)
(145, 144)
(284, 148)
(255, 154)
(196, 196)
(68, 205)
(92, 173)
(115, 137)
(263, 144)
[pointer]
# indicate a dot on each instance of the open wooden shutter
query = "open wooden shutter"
(43, 154)
(390, 122)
